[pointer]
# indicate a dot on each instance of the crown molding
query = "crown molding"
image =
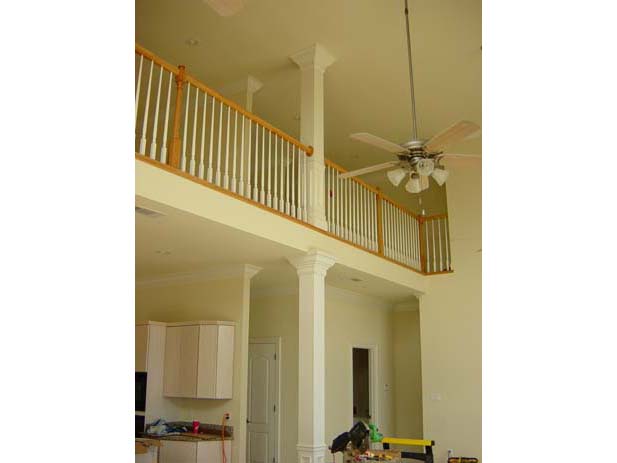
(315, 56)
(314, 261)
(221, 272)
(359, 299)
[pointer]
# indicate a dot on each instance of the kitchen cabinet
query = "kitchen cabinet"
(141, 347)
(193, 452)
(199, 359)
(149, 358)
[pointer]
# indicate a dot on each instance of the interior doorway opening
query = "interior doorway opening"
(362, 408)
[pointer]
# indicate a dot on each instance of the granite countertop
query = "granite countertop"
(190, 437)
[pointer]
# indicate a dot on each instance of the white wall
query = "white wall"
(351, 319)
(407, 372)
(451, 328)
(220, 299)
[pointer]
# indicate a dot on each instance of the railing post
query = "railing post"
(422, 239)
(379, 200)
(174, 147)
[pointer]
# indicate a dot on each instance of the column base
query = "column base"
(311, 453)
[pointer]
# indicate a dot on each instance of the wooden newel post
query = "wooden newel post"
(379, 200)
(174, 147)
(422, 241)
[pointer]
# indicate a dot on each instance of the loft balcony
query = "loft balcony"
(187, 129)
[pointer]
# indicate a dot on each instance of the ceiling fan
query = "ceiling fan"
(417, 158)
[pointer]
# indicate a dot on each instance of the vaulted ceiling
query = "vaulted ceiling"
(367, 88)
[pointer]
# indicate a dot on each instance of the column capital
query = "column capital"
(315, 56)
(314, 261)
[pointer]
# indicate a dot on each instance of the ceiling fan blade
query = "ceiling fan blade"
(452, 134)
(455, 155)
(225, 7)
(366, 170)
(378, 142)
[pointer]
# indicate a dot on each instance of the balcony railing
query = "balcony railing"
(198, 133)
(359, 213)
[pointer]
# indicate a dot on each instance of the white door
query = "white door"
(262, 419)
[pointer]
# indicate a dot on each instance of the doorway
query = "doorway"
(263, 407)
(363, 372)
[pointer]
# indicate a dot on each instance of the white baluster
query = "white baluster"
(434, 249)
(137, 91)
(233, 169)
(275, 178)
(156, 117)
(248, 160)
(192, 164)
(242, 154)
(409, 240)
(331, 197)
(219, 148)
(287, 209)
(293, 187)
(256, 165)
(416, 241)
(282, 176)
(164, 140)
(202, 166)
(226, 175)
(211, 149)
(186, 124)
(440, 244)
(447, 240)
(428, 255)
(269, 172)
(144, 128)
(338, 202)
(304, 186)
(262, 196)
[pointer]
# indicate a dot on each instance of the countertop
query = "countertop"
(190, 437)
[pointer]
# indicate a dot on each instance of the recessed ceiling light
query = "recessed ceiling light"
(191, 42)
(163, 252)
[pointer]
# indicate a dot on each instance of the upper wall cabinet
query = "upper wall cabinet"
(199, 360)
(141, 347)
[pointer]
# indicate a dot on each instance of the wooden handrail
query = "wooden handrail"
(160, 61)
(308, 150)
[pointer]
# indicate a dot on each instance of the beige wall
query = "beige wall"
(351, 319)
(221, 299)
(407, 373)
(451, 328)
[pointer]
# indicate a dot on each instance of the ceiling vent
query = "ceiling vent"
(148, 212)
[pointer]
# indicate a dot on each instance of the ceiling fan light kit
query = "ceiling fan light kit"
(396, 176)
(414, 185)
(420, 158)
(440, 175)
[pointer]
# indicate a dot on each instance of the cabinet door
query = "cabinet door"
(225, 362)
(178, 452)
(206, 376)
(212, 452)
(181, 355)
(141, 347)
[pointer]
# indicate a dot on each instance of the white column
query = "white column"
(313, 61)
(311, 269)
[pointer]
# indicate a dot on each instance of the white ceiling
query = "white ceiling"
(367, 86)
(179, 243)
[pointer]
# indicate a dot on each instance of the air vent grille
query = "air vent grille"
(148, 212)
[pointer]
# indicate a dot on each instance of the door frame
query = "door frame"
(373, 367)
(277, 383)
